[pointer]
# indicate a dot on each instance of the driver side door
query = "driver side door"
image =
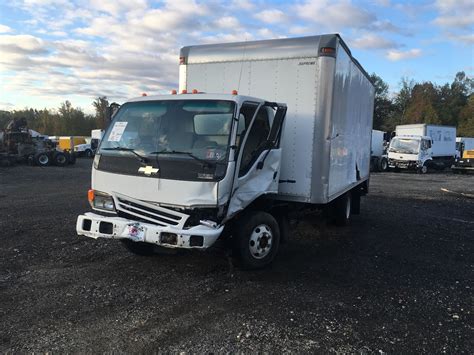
(258, 154)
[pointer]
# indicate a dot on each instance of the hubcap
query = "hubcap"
(43, 159)
(424, 169)
(61, 159)
(260, 242)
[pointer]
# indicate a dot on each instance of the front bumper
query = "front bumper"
(97, 226)
(403, 164)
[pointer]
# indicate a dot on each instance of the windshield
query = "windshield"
(404, 145)
(184, 129)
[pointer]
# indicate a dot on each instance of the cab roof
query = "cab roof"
(199, 96)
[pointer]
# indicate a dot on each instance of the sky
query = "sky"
(57, 50)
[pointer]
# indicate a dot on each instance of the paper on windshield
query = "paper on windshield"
(117, 131)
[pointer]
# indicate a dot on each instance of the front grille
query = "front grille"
(145, 211)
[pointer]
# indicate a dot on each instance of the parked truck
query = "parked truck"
(462, 144)
(378, 151)
(422, 147)
(260, 130)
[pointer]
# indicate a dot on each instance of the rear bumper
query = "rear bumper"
(97, 226)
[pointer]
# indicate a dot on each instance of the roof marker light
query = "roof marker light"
(173, 92)
(195, 91)
(182, 60)
(144, 94)
(184, 91)
(234, 92)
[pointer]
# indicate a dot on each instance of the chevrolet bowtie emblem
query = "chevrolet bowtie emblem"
(148, 170)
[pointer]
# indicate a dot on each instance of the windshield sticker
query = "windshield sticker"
(117, 131)
(210, 154)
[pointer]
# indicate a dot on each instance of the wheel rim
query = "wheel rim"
(61, 159)
(43, 159)
(424, 169)
(384, 165)
(88, 153)
(261, 241)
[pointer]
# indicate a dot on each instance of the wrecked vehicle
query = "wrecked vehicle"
(18, 144)
(183, 171)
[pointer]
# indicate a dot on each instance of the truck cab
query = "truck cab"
(410, 152)
(172, 170)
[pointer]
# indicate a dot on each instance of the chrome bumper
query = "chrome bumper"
(97, 226)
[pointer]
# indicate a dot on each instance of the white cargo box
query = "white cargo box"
(377, 143)
(327, 133)
(444, 137)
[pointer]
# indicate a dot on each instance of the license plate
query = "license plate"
(136, 232)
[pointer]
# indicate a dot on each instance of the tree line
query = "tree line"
(66, 120)
(449, 104)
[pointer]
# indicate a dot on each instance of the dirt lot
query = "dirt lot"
(398, 280)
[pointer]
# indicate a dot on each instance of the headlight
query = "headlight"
(101, 201)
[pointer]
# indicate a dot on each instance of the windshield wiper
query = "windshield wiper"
(124, 149)
(166, 151)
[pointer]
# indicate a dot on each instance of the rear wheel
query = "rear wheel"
(60, 159)
(341, 209)
(423, 169)
(257, 239)
(383, 166)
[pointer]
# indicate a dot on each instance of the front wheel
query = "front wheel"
(88, 153)
(257, 239)
(42, 159)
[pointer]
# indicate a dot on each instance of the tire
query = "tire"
(423, 169)
(42, 159)
(341, 209)
(383, 165)
(355, 201)
(60, 159)
(257, 238)
(139, 248)
(88, 153)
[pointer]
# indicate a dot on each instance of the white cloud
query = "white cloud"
(227, 22)
(242, 5)
(21, 44)
(455, 13)
(373, 41)
(335, 14)
(396, 55)
(465, 38)
(5, 29)
(271, 16)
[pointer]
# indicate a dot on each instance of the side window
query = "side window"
(256, 139)
(245, 118)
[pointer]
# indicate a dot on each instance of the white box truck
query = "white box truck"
(378, 154)
(422, 147)
(182, 171)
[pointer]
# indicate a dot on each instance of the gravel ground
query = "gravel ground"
(398, 280)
